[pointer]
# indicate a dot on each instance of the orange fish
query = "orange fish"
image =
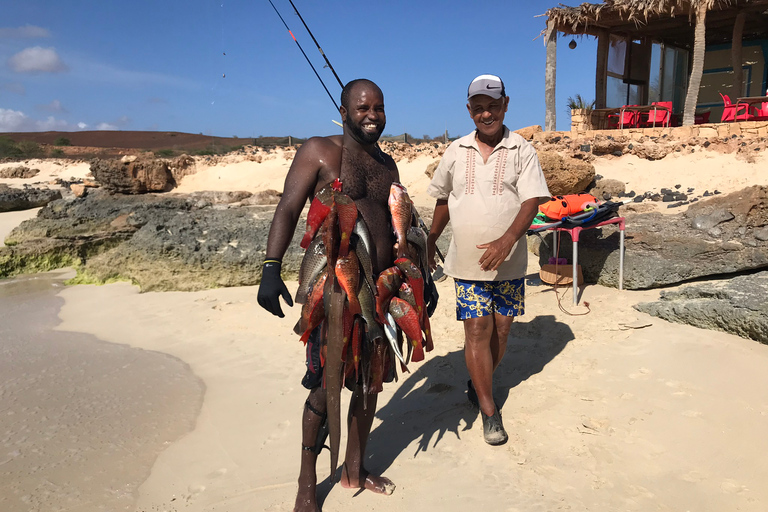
(347, 219)
(401, 209)
(318, 211)
(348, 275)
(387, 285)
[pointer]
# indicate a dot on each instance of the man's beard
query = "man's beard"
(362, 136)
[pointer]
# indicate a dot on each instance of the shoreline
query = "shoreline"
(84, 419)
(605, 411)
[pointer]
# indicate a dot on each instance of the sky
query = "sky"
(230, 68)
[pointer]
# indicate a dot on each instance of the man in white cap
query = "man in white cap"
(489, 184)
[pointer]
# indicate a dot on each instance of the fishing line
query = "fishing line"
(327, 62)
(305, 55)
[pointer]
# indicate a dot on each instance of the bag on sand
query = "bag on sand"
(560, 275)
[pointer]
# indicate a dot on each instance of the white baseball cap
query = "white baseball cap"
(489, 85)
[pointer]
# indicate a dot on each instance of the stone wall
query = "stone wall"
(581, 128)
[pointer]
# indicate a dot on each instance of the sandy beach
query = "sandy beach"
(607, 408)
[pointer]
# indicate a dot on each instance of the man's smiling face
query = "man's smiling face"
(365, 117)
(488, 113)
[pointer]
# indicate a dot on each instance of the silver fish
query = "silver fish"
(365, 262)
(392, 337)
(361, 230)
(368, 305)
(315, 260)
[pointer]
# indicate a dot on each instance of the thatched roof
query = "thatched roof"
(669, 21)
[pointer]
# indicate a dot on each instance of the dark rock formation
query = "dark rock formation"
(737, 306)
(128, 176)
(667, 249)
(13, 199)
(158, 241)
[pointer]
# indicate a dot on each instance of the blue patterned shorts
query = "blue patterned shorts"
(481, 298)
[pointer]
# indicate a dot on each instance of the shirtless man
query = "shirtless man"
(366, 174)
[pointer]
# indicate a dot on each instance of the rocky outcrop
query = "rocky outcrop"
(565, 175)
(133, 175)
(529, 131)
(157, 241)
(719, 236)
(13, 199)
(737, 306)
(20, 171)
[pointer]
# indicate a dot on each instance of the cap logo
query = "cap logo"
(488, 86)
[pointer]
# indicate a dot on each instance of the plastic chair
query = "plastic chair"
(701, 118)
(624, 119)
(731, 111)
(659, 117)
(759, 114)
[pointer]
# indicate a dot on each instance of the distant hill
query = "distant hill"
(127, 139)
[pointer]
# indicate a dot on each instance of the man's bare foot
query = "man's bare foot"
(306, 499)
(365, 480)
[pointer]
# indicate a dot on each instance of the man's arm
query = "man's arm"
(440, 219)
(299, 186)
(498, 250)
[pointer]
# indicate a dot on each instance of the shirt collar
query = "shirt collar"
(469, 141)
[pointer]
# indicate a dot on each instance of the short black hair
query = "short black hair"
(351, 85)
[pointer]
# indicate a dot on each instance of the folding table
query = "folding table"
(574, 232)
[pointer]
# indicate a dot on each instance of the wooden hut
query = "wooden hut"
(656, 50)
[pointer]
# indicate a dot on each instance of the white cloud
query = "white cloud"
(106, 126)
(16, 121)
(25, 32)
(82, 126)
(37, 59)
(13, 121)
(54, 106)
(53, 125)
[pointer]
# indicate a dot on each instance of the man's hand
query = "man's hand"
(431, 252)
(272, 288)
(495, 253)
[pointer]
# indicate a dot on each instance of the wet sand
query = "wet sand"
(81, 420)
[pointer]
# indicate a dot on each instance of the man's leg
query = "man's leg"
(501, 327)
(480, 361)
(359, 421)
(312, 419)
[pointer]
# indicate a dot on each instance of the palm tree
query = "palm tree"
(697, 69)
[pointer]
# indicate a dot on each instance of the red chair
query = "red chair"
(702, 118)
(759, 114)
(624, 119)
(734, 112)
(658, 117)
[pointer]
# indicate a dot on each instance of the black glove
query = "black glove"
(272, 288)
(430, 294)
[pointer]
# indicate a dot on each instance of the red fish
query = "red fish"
(313, 310)
(405, 317)
(347, 218)
(415, 279)
(401, 209)
(387, 285)
(348, 275)
(318, 211)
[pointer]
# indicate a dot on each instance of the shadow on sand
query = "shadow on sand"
(431, 401)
